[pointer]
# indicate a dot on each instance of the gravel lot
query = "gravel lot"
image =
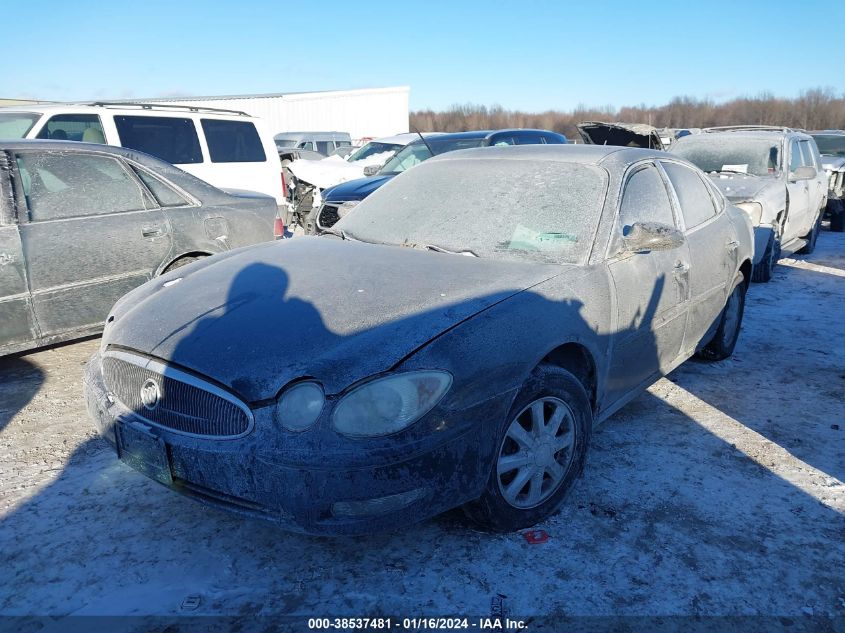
(718, 492)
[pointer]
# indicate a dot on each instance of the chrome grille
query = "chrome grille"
(183, 402)
(328, 216)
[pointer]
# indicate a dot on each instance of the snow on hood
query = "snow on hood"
(833, 163)
(738, 188)
(257, 318)
(334, 170)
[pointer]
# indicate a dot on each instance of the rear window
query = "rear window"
(233, 141)
(16, 124)
(172, 139)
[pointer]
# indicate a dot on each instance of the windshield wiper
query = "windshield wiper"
(341, 234)
(440, 249)
(734, 171)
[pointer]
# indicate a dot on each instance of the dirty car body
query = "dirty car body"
(774, 174)
(453, 295)
(82, 224)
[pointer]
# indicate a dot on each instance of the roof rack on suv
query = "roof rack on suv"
(169, 106)
(739, 128)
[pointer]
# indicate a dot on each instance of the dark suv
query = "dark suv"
(342, 198)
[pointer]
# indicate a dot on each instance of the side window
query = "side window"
(74, 127)
(68, 185)
(644, 200)
(694, 196)
(306, 145)
(323, 147)
(172, 139)
(233, 141)
(795, 159)
(497, 141)
(164, 194)
(807, 152)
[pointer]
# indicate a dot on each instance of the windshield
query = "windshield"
(830, 144)
(371, 149)
(727, 153)
(417, 152)
(17, 124)
(500, 209)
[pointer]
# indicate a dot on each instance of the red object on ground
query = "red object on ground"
(536, 536)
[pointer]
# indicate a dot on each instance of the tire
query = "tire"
(837, 219)
(722, 345)
(183, 261)
(763, 270)
(505, 508)
(812, 237)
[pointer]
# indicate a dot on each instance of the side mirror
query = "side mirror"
(803, 173)
(371, 170)
(643, 237)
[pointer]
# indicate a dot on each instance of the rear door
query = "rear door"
(652, 288)
(712, 244)
(17, 325)
(90, 233)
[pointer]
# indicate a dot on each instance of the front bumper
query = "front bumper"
(302, 489)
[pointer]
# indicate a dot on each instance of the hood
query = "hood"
(622, 134)
(334, 169)
(738, 188)
(833, 163)
(338, 311)
(355, 189)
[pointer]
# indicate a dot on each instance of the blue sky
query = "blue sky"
(528, 55)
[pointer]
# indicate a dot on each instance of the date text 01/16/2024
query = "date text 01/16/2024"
(416, 624)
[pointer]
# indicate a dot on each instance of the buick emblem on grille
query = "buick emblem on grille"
(150, 394)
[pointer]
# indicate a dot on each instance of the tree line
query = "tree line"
(816, 109)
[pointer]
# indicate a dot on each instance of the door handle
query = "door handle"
(6, 259)
(681, 268)
(731, 246)
(152, 231)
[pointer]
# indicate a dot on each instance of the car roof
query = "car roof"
(457, 136)
(127, 107)
(586, 154)
(762, 134)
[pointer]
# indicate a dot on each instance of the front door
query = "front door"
(798, 192)
(91, 234)
(652, 289)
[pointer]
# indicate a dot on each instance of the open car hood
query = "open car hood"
(622, 134)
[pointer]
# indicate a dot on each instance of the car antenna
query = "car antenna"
(423, 139)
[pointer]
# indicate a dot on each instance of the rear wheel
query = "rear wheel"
(542, 450)
(722, 345)
(837, 217)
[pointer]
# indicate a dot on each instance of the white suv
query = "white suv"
(227, 148)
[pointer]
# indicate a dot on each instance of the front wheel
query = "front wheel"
(812, 237)
(542, 450)
(763, 270)
(722, 345)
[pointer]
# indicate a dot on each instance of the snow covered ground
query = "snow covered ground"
(718, 492)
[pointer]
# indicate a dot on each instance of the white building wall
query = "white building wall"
(363, 113)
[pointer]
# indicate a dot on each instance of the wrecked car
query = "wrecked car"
(831, 144)
(485, 311)
(339, 200)
(307, 178)
(82, 224)
(621, 134)
(774, 175)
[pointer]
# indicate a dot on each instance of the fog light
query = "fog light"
(379, 505)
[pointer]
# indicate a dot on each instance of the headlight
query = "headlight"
(300, 406)
(347, 207)
(390, 404)
(754, 211)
